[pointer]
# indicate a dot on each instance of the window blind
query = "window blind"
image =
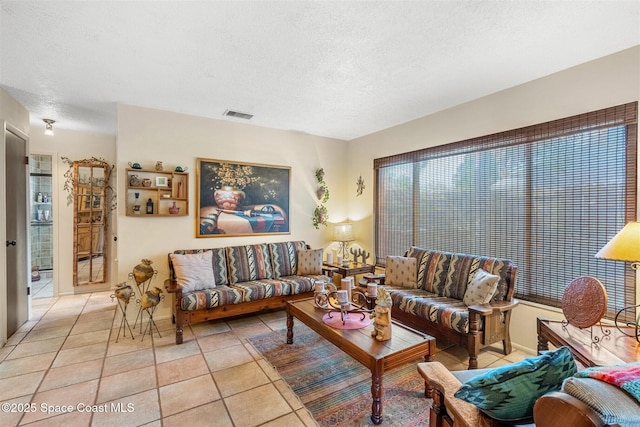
(547, 196)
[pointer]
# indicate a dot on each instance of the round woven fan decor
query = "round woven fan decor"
(584, 302)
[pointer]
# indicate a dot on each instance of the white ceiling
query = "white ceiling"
(339, 69)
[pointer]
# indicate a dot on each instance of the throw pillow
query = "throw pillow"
(401, 271)
(194, 272)
(309, 262)
(507, 393)
(481, 289)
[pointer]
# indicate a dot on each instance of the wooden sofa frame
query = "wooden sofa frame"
(190, 317)
(496, 317)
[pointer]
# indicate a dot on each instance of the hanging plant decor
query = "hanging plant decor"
(359, 186)
(320, 213)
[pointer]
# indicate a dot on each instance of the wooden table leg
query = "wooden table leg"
(289, 328)
(377, 391)
(543, 344)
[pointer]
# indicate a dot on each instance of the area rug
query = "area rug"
(335, 388)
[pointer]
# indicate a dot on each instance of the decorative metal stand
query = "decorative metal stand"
(595, 339)
(124, 323)
(143, 287)
(150, 324)
(584, 303)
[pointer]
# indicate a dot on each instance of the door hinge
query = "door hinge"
(28, 290)
(26, 160)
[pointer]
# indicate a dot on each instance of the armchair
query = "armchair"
(582, 402)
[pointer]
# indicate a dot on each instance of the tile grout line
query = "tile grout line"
(104, 358)
(35, 392)
(46, 371)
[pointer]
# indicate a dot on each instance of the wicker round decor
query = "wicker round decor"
(584, 302)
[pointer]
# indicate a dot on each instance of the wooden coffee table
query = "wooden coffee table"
(405, 345)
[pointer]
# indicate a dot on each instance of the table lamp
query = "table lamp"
(625, 246)
(343, 233)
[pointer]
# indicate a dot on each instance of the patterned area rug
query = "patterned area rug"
(336, 388)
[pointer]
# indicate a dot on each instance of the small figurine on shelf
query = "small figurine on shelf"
(174, 209)
(159, 167)
(180, 190)
(150, 207)
(136, 204)
(382, 316)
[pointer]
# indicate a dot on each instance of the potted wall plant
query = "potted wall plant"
(320, 213)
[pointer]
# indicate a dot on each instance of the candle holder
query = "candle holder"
(328, 300)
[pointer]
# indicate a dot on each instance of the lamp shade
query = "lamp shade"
(625, 246)
(343, 233)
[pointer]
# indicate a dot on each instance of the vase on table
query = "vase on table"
(229, 198)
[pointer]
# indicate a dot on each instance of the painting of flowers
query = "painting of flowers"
(238, 199)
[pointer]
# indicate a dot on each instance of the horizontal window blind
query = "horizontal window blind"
(547, 196)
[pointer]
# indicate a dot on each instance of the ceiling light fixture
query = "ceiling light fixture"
(49, 126)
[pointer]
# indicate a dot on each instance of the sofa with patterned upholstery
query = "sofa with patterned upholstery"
(216, 283)
(464, 299)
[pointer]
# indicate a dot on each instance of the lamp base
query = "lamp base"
(633, 325)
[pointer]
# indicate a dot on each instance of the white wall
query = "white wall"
(75, 146)
(147, 135)
(605, 82)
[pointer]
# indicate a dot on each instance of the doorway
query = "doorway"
(16, 278)
(41, 223)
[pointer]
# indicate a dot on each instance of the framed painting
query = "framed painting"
(240, 199)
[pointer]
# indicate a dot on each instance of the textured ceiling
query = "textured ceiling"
(339, 69)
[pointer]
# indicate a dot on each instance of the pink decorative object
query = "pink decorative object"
(351, 321)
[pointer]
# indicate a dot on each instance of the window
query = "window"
(547, 196)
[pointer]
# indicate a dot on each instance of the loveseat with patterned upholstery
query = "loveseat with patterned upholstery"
(464, 299)
(216, 283)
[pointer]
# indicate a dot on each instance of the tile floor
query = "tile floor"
(68, 355)
(43, 288)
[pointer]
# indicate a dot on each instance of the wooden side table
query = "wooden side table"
(352, 269)
(613, 349)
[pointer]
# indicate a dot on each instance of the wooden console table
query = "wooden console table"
(613, 349)
(351, 269)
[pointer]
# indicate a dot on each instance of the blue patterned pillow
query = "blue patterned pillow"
(507, 393)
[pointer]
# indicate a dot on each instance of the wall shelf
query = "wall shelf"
(163, 197)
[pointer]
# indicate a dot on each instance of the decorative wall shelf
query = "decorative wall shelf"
(166, 190)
